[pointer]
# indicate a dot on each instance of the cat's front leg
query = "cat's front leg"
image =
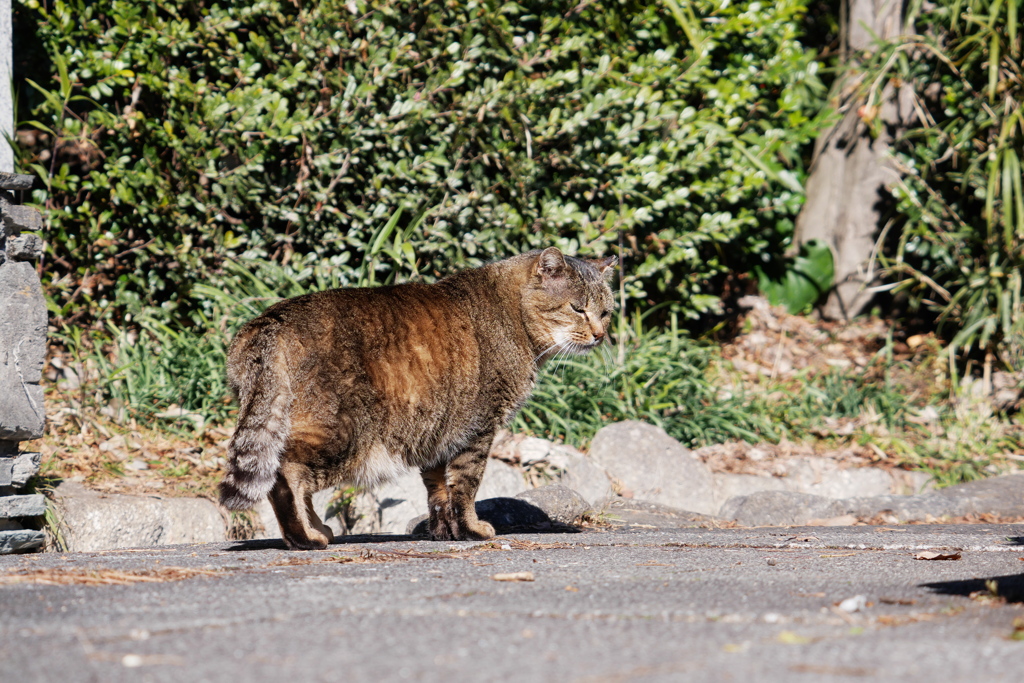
(451, 494)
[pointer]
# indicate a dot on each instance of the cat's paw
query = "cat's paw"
(477, 531)
(315, 541)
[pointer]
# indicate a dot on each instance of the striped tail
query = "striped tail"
(264, 424)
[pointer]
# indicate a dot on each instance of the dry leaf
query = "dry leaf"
(514, 576)
(897, 601)
(791, 638)
(932, 555)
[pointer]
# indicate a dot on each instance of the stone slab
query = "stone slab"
(26, 466)
(17, 470)
(24, 248)
(621, 512)
(32, 505)
(91, 521)
(17, 218)
(22, 352)
(21, 540)
(15, 181)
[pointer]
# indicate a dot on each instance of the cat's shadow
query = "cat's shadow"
(506, 515)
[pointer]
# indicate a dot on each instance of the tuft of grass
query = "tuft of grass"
(657, 376)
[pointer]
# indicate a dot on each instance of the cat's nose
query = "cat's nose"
(598, 335)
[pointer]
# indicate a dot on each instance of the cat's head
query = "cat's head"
(568, 304)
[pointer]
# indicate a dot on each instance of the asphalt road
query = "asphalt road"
(633, 604)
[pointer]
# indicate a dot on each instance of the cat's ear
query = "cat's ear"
(551, 265)
(606, 265)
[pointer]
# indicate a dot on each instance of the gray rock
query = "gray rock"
(26, 466)
(24, 248)
(388, 509)
(91, 521)
(32, 505)
(22, 351)
(581, 474)
(777, 508)
(15, 181)
(1003, 496)
(560, 503)
(821, 477)
(729, 486)
(21, 540)
(532, 449)
(626, 512)
(654, 466)
(501, 480)
(17, 218)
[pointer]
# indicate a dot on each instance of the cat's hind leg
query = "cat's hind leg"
(451, 494)
(292, 500)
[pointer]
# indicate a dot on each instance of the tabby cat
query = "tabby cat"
(356, 385)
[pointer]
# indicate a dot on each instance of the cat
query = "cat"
(357, 385)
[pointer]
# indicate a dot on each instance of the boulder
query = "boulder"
(560, 503)
(580, 473)
(652, 466)
(90, 521)
(501, 480)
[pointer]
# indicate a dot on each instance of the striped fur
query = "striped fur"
(264, 424)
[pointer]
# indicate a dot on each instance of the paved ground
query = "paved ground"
(630, 604)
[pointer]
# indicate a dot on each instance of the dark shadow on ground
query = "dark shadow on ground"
(507, 515)
(1015, 540)
(278, 544)
(1010, 587)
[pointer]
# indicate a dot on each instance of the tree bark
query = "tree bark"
(850, 169)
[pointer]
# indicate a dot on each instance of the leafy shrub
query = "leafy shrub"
(173, 138)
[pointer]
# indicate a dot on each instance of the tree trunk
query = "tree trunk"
(850, 170)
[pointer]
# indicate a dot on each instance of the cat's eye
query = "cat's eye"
(578, 310)
(605, 314)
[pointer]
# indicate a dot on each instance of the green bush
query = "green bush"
(177, 137)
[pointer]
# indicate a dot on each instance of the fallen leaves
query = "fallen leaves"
(516, 544)
(364, 556)
(935, 555)
(103, 577)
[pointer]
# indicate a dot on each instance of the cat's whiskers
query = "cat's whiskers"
(545, 351)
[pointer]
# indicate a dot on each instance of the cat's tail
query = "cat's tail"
(258, 373)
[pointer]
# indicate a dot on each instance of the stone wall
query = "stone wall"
(22, 352)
